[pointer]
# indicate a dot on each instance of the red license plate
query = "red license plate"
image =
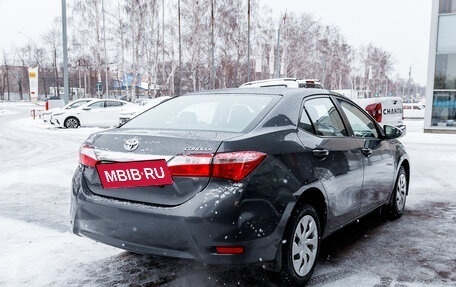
(134, 174)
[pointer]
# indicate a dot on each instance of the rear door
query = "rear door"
(102, 113)
(92, 114)
(336, 158)
(112, 112)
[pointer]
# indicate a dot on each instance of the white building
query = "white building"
(440, 114)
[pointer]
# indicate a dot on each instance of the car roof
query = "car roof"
(285, 82)
(282, 91)
(288, 82)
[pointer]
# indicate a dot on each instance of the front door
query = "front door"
(378, 158)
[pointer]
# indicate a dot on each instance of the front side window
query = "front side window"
(324, 118)
(361, 124)
(77, 104)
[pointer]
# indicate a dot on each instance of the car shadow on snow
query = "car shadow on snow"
(361, 246)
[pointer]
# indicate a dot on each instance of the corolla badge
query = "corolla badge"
(131, 144)
(197, 148)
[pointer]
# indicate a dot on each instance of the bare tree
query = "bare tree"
(53, 40)
(143, 42)
(6, 75)
(86, 24)
(377, 66)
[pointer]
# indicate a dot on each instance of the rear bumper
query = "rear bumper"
(191, 230)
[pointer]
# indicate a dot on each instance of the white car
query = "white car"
(134, 110)
(100, 112)
(284, 82)
(47, 115)
(385, 110)
(413, 111)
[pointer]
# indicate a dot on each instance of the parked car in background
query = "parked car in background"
(140, 107)
(100, 112)
(385, 110)
(284, 82)
(239, 176)
(413, 110)
(310, 84)
(47, 115)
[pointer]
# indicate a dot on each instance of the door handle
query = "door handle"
(366, 151)
(320, 153)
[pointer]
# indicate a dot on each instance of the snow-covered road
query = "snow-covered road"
(37, 248)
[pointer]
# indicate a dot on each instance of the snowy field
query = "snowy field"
(38, 249)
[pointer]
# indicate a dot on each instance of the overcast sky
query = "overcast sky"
(401, 27)
(398, 26)
(26, 20)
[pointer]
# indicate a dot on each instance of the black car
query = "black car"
(253, 175)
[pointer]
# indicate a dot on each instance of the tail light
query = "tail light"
(375, 110)
(87, 156)
(231, 165)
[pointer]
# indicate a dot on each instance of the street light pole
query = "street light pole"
(179, 90)
(65, 52)
(248, 41)
(106, 52)
(278, 47)
(212, 84)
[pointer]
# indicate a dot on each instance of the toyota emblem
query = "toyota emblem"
(131, 144)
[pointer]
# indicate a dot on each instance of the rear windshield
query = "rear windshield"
(207, 112)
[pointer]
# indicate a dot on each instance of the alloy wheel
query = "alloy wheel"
(71, 123)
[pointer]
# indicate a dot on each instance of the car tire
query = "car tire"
(71, 123)
(302, 246)
(397, 202)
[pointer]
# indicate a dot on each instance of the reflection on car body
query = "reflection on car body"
(263, 188)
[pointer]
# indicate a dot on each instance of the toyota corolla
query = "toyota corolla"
(238, 176)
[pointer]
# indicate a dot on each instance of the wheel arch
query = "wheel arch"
(406, 164)
(314, 197)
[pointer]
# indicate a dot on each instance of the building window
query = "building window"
(446, 41)
(444, 109)
(445, 72)
(447, 6)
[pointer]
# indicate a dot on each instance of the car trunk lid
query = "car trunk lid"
(188, 157)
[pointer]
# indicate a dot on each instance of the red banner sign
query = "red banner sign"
(134, 174)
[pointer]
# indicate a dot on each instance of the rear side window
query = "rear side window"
(113, 104)
(208, 112)
(97, 105)
(321, 118)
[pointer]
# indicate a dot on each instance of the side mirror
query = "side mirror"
(393, 132)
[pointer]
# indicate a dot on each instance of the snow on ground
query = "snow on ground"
(38, 249)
